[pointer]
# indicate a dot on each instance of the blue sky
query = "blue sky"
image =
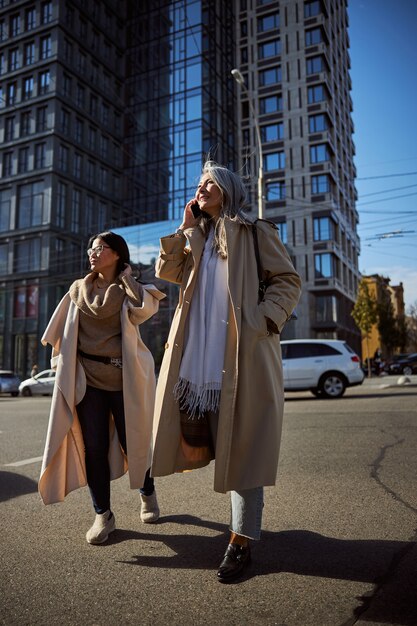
(383, 50)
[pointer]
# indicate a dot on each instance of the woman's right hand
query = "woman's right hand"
(188, 219)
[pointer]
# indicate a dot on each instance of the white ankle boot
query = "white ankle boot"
(149, 510)
(99, 532)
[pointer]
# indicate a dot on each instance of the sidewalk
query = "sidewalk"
(390, 381)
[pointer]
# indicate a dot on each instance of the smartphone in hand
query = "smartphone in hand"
(195, 209)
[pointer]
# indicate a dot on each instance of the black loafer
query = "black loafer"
(235, 559)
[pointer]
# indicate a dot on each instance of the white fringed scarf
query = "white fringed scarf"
(200, 378)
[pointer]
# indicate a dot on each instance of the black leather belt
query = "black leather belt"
(108, 360)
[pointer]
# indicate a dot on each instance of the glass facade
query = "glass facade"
(180, 101)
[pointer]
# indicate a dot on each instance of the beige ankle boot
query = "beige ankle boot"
(99, 532)
(149, 510)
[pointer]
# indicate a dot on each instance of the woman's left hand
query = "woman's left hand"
(126, 272)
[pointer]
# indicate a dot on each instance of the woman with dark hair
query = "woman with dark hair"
(220, 389)
(101, 414)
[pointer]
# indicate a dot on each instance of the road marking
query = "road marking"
(35, 459)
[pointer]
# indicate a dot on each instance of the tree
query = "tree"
(364, 313)
(387, 323)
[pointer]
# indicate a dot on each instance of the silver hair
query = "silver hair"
(234, 201)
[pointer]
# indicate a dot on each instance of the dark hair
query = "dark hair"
(117, 244)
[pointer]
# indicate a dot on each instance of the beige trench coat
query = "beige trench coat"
(251, 406)
(63, 467)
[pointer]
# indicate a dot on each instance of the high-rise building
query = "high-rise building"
(107, 110)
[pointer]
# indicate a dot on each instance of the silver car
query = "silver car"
(40, 385)
(324, 366)
(9, 382)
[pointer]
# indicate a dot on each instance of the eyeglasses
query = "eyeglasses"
(97, 250)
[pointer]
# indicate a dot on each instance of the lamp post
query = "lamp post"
(237, 75)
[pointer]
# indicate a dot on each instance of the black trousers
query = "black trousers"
(94, 414)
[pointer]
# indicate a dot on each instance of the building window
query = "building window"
(27, 88)
(323, 229)
(89, 214)
(41, 119)
(30, 205)
(316, 94)
(80, 96)
(15, 25)
(313, 37)
(317, 123)
(319, 153)
(268, 22)
(46, 47)
(46, 12)
(61, 205)
(311, 9)
(25, 123)
(40, 156)
(27, 255)
(275, 190)
(269, 49)
(270, 76)
(103, 179)
(320, 184)
(63, 158)
(244, 55)
(314, 65)
(82, 62)
(44, 80)
(30, 18)
(92, 138)
(30, 53)
(105, 114)
(272, 132)
(79, 130)
(326, 309)
(14, 59)
(66, 86)
(4, 255)
(23, 161)
(11, 94)
(91, 173)
(65, 121)
(67, 50)
(324, 265)
(75, 211)
(282, 230)
(274, 161)
(8, 164)
(2, 64)
(77, 164)
(5, 210)
(93, 106)
(102, 215)
(9, 126)
(104, 147)
(271, 104)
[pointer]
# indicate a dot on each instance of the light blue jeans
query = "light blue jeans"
(246, 505)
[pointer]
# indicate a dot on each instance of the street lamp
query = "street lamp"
(237, 75)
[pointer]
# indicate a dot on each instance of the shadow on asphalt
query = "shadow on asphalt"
(352, 396)
(13, 485)
(299, 552)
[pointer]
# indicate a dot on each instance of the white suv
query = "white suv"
(324, 366)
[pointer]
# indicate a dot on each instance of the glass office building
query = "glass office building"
(108, 109)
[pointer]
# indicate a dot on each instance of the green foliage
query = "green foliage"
(364, 311)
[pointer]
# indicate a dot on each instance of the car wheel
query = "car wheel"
(332, 385)
(407, 370)
(26, 392)
(15, 393)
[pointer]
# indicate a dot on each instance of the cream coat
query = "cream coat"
(63, 467)
(251, 407)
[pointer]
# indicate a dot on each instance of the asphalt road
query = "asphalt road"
(338, 546)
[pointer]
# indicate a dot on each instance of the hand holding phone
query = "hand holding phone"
(196, 211)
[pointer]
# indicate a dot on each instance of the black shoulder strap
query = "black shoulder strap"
(257, 255)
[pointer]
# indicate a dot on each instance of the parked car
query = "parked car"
(324, 366)
(406, 365)
(40, 385)
(9, 382)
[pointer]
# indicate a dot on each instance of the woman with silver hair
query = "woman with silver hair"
(220, 390)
